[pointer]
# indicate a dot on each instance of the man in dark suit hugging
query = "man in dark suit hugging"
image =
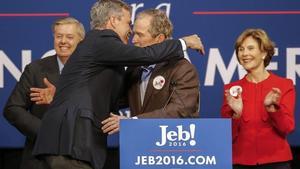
(165, 90)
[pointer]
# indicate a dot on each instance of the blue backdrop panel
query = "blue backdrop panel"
(25, 35)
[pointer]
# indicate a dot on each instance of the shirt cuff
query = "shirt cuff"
(186, 56)
(134, 117)
(183, 45)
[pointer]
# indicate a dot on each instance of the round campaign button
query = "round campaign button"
(159, 82)
(235, 90)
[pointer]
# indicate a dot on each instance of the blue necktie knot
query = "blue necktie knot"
(146, 72)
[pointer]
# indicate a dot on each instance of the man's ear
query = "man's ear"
(160, 38)
(112, 21)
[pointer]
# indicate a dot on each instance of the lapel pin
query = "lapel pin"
(159, 82)
(235, 90)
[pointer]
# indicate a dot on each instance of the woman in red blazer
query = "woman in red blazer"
(261, 106)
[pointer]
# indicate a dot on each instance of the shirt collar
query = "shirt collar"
(150, 67)
(60, 65)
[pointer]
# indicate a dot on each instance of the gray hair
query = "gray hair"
(159, 24)
(70, 20)
(102, 10)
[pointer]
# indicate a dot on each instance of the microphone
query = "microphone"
(173, 86)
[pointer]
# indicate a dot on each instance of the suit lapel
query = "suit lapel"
(52, 70)
(135, 90)
(138, 91)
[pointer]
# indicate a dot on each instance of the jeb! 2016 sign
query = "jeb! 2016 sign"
(175, 143)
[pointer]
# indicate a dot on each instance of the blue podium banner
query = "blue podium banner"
(175, 143)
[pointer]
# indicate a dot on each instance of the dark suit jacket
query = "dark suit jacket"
(88, 90)
(26, 115)
(178, 98)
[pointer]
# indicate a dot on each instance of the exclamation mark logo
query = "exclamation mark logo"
(192, 131)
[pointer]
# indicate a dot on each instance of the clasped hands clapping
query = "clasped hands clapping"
(271, 102)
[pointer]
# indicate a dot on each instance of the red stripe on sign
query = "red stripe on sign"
(246, 12)
(33, 14)
(175, 150)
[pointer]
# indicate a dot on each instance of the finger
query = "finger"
(201, 46)
(34, 94)
(38, 103)
(239, 95)
(47, 83)
(35, 99)
(34, 89)
(109, 128)
(116, 118)
(201, 50)
(276, 90)
(114, 131)
(105, 127)
(106, 121)
(106, 131)
(226, 92)
(113, 115)
(272, 92)
(113, 127)
(272, 97)
(41, 102)
(228, 97)
(276, 98)
(107, 124)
